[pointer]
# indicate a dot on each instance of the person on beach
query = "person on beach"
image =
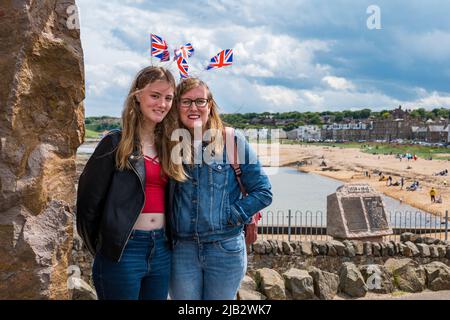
(433, 194)
(209, 212)
(412, 187)
(402, 182)
(122, 209)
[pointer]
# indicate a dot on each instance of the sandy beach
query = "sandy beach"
(349, 165)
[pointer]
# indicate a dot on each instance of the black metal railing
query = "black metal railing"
(308, 225)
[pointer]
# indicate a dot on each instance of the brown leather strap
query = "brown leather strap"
(232, 156)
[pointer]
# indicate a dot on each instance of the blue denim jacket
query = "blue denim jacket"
(209, 206)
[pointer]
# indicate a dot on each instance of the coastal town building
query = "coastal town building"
(327, 119)
(431, 133)
(283, 122)
(419, 133)
(398, 124)
(353, 131)
(305, 133)
(265, 134)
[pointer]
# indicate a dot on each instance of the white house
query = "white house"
(305, 133)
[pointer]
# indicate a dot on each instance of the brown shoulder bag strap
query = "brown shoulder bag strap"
(232, 156)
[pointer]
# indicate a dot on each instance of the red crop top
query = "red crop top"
(154, 186)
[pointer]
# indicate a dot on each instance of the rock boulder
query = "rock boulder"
(41, 126)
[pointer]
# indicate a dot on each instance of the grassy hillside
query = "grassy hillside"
(91, 134)
(96, 125)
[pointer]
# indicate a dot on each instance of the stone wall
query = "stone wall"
(41, 126)
(321, 269)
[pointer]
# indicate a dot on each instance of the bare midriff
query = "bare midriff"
(149, 222)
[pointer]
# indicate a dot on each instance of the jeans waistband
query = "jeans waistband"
(151, 234)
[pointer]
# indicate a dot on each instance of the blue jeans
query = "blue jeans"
(208, 271)
(143, 272)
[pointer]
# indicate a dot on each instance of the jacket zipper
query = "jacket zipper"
(129, 232)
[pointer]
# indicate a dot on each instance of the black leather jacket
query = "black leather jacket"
(109, 201)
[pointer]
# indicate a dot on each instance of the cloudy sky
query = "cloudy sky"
(303, 55)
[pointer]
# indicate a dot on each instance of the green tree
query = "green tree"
(315, 119)
(365, 113)
(339, 116)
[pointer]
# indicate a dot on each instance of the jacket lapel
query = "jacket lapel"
(137, 162)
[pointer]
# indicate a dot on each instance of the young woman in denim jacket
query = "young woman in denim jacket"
(209, 213)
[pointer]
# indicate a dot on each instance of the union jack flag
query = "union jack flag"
(223, 59)
(185, 51)
(159, 46)
(183, 67)
(165, 56)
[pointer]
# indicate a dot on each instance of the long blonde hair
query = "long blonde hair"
(132, 121)
(214, 121)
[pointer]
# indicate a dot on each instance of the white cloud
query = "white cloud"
(431, 100)
(278, 55)
(314, 98)
(278, 96)
(433, 45)
(338, 83)
(217, 5)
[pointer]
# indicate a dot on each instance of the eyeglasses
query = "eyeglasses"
(200, 103)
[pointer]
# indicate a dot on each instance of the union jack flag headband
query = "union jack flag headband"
(223, 59)
(159, 49)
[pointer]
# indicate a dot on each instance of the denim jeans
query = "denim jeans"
(143, 272)
(209, 270)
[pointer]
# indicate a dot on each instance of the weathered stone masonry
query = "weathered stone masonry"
(41, 126)
(321, 269)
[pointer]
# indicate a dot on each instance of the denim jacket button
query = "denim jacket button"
(219, 167)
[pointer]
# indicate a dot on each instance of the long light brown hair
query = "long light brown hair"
(133, 119)
(214, 121)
